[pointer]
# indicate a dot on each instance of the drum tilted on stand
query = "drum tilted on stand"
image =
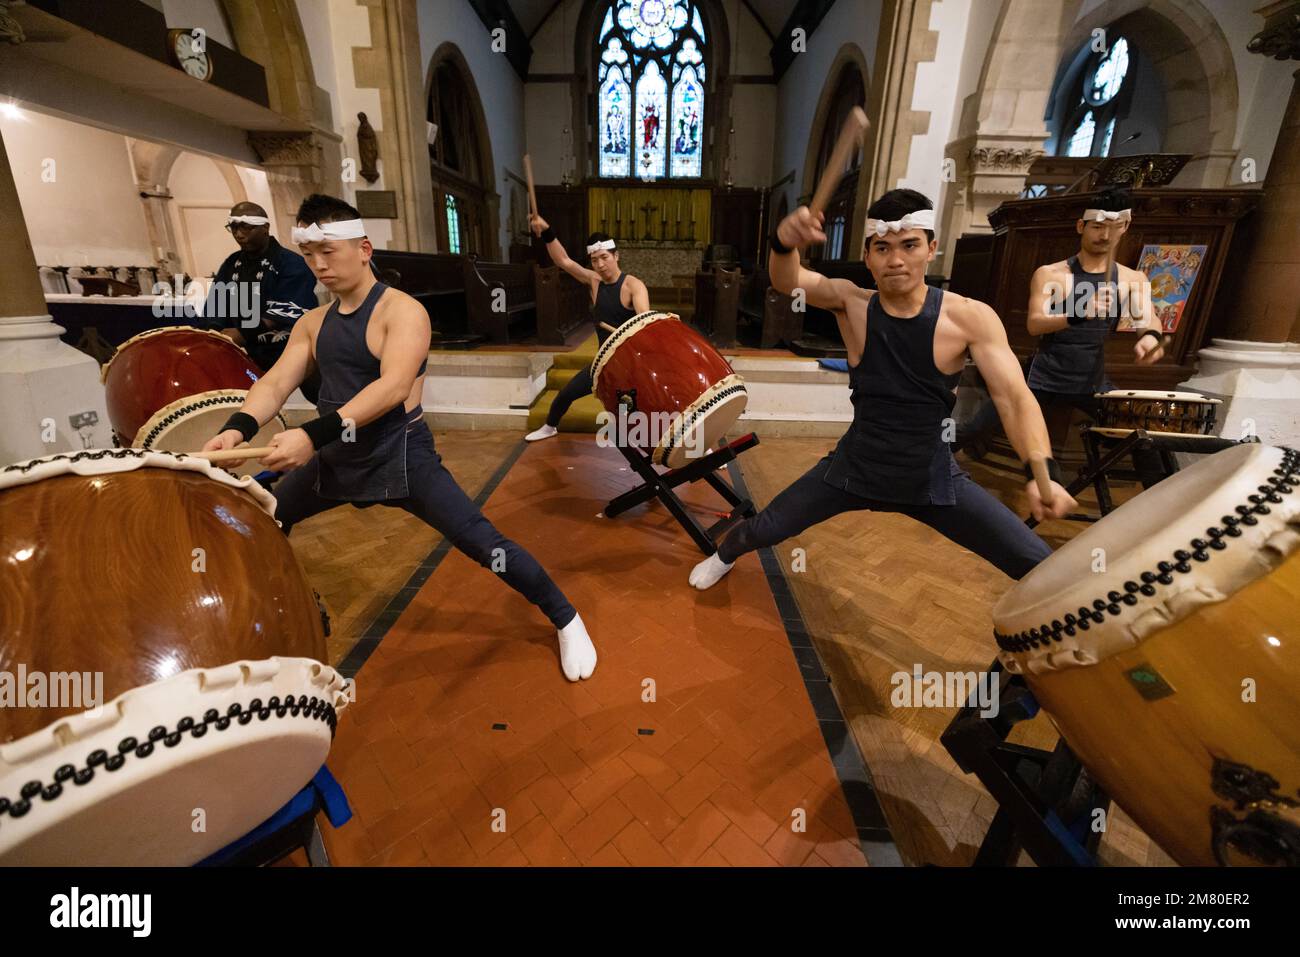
(1164, 642)
(171, 389)
(186, 695)
(1159, 413)
(655, 364)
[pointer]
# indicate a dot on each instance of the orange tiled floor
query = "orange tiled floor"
(574, 777)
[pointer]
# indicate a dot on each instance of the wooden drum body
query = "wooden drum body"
(660, 366)
(158, 594)
(171, 389)
(1179, 413)
(1174, 674)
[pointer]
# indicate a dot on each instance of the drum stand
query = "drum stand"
(657, 485)
(1101, 460)
(1046, 800)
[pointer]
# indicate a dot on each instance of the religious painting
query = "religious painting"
(1172, 272)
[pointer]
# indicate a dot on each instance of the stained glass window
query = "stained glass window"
(1081, 140)
(1110, 73)
(453, 225)
(651, 82)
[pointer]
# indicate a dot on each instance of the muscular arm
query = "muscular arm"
(1021, 416)
(640, 295)
(1138, 304)
(1047, 284)
(271, 391)
(561, 258)
(406, 346)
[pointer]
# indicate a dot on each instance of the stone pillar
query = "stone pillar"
(1257, 371)
(297, 165)
(990, 169)
(50, 392)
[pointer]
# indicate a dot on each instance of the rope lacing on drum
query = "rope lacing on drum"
(180, 413)
(315, 708)
(685, 423)
(84, 456)
(1283, 481)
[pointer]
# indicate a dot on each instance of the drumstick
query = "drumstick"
(1038, 463)
(855, 125)
(532, 188)
(607, 327)
(226, 455)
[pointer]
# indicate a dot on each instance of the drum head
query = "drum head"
(704, 425)
(1158, 396)
(187, 424)
(169, 773)
(1196, 537)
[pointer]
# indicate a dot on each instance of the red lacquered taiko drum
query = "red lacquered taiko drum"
(173, 661)
(171, 389)
(657, 365)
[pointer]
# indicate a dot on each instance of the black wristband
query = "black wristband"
(324, 430)
(548, 235)
(778, 246)
(244, 423)
(1159, 336)
(1053, 471)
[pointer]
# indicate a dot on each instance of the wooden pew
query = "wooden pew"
(435, 280)
(492, 314)
(717, 304)
(563, 304)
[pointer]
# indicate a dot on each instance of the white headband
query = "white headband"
(920, 219)
(248, 220)
(597, 247)
(316, 233)
(1101, 215)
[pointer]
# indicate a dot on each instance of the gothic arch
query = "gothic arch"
(478, 185)
(849, 62)
(1192, 57)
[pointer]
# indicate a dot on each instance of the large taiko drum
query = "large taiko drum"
(171, 389)
(657, 365)
(170, 653)
(1164, 642)
(1168, 413)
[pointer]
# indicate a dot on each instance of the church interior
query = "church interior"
(592, 210)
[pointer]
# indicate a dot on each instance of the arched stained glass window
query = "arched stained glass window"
(453, 224)
(1091, 124)
(652, 58)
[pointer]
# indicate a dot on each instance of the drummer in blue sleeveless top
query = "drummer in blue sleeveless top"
(1074, 308)
(615, 296)
(370, 444)
(907, 344)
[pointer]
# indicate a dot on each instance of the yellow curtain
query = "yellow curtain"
(650, 213)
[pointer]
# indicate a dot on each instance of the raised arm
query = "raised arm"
(1022, 418)
(560, 257)
(786, 273)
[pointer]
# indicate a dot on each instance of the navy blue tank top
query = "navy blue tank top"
(372, 467)
(894, 451)
(1073, 360)
(609, 307)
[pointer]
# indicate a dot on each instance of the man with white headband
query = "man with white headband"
(615, 298)
(260, 291)
(907, 344)
(370, 444)
(1074, 308)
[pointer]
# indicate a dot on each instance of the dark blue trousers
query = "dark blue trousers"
(574, 389)
(436, 499)
(977, 520)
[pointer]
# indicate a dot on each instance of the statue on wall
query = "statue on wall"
(367, 149)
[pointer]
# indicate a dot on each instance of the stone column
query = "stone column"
(990, 169)
(50, 392)
(1257, 371)
(297, 165)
